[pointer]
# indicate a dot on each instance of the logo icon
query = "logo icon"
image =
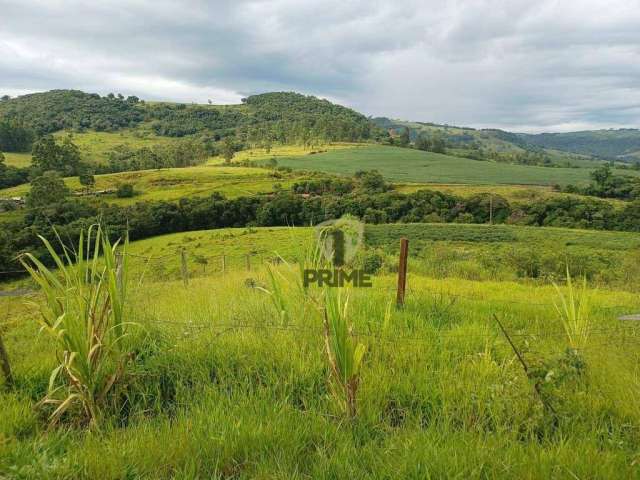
(340, 240)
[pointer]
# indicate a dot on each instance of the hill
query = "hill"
(622, 144)
(576, 148)
(283, 117)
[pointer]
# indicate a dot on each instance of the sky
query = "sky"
(547, 65)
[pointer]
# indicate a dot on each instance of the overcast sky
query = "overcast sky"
(520, 65)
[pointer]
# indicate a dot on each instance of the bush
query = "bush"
(125, 190)
(372, 262)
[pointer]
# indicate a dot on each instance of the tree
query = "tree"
(405, 138)
(423, 142)
(46, 190)
(87, 179)
(602, 175)
(47, 155)
(5, 98)
(228, 149)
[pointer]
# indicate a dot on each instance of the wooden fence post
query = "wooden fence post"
(184, 268)
(248, 262)
(490, 209)
(6, 367)
(224, 264)
(402, 271)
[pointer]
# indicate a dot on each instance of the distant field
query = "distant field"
(95, 146)
(407, 165)
(279, 152)
(17, 159)
(176, 183)
(513, 193)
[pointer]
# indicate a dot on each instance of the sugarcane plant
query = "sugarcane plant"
(573, 309)
(84, 312)
(344, 352)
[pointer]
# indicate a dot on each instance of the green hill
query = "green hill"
(622, 144)
(572, 147)
(271, 117)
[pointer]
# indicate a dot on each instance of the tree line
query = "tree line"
(367, 197)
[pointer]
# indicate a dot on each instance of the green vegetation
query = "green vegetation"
(84, 312)
(408, 165)
(95, 147)
(18, 159)
(620, 144)
(262, 119)
(474, 252)
(195, 351)
(176, 183)
(571, 148)
(56, 110)
(220, 387)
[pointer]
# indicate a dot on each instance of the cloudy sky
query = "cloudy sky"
(549, 65)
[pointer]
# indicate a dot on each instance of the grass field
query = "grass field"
(474, 252)
(513, 193)
(414, 166)
(176, 183)
(17, 159)
(95, 146)
(222, 387)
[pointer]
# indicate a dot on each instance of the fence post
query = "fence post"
(185, 271)
(6, 367)
(248, 262)
(402, 271)
(490, 209)
(224, 264)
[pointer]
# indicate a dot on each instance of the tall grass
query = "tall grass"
(84, 312)
(573, 309)
(344, 352)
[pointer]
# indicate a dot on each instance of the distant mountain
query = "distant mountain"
(621, 145)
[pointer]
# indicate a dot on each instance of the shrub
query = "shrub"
(372, 262)
(125, 190)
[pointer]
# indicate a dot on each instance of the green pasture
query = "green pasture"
(176, 183)
(414, 166)
(222, 387)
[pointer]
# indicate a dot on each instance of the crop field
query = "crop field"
(279, 152)
(230, 375)
(176, 183)
(414, 166)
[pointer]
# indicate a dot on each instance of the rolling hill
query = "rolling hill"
(578, 148)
